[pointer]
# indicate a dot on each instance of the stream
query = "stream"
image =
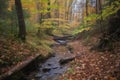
(51, 69)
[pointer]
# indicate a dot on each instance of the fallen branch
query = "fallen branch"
(18, 67)
(66, 60)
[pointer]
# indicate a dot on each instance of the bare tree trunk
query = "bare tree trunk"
(58, 12)
(49, 15)
(69, 10)
(69, 16)
(22, 28)
(66, 9)
(99, 11)
(98, 6)
(37, 14)
(87, 7)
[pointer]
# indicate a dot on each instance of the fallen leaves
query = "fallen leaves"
(12, 52)
(93, 65)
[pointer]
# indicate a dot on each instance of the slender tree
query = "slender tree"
(48, 9)
(38, 13)
(22, 28)
(87, 8)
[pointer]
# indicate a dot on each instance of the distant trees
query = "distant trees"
(22, 28)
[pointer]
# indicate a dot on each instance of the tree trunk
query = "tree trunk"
(22, 28)
(98, 6)
(99, 11)
(38, 13)
(48, 9)
(87, 8)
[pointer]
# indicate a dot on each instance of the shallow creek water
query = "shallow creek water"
(52, 69)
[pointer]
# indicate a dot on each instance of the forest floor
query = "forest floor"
(92, 65)
(15, 54)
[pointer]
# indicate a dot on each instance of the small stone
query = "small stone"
(49, 64)
(38, 75)
(46, 70)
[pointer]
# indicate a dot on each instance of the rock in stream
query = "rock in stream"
(51, 69)
(55, 65)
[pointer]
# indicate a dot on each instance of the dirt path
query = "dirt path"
(92, 65)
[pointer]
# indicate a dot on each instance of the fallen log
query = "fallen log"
(18, 67)
(68, 59)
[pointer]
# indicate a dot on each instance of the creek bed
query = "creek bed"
(51, 69)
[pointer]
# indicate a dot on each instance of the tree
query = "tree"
(38, 13)
(87, 8)
(22, 28)
(48, 9)
(98, 6)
